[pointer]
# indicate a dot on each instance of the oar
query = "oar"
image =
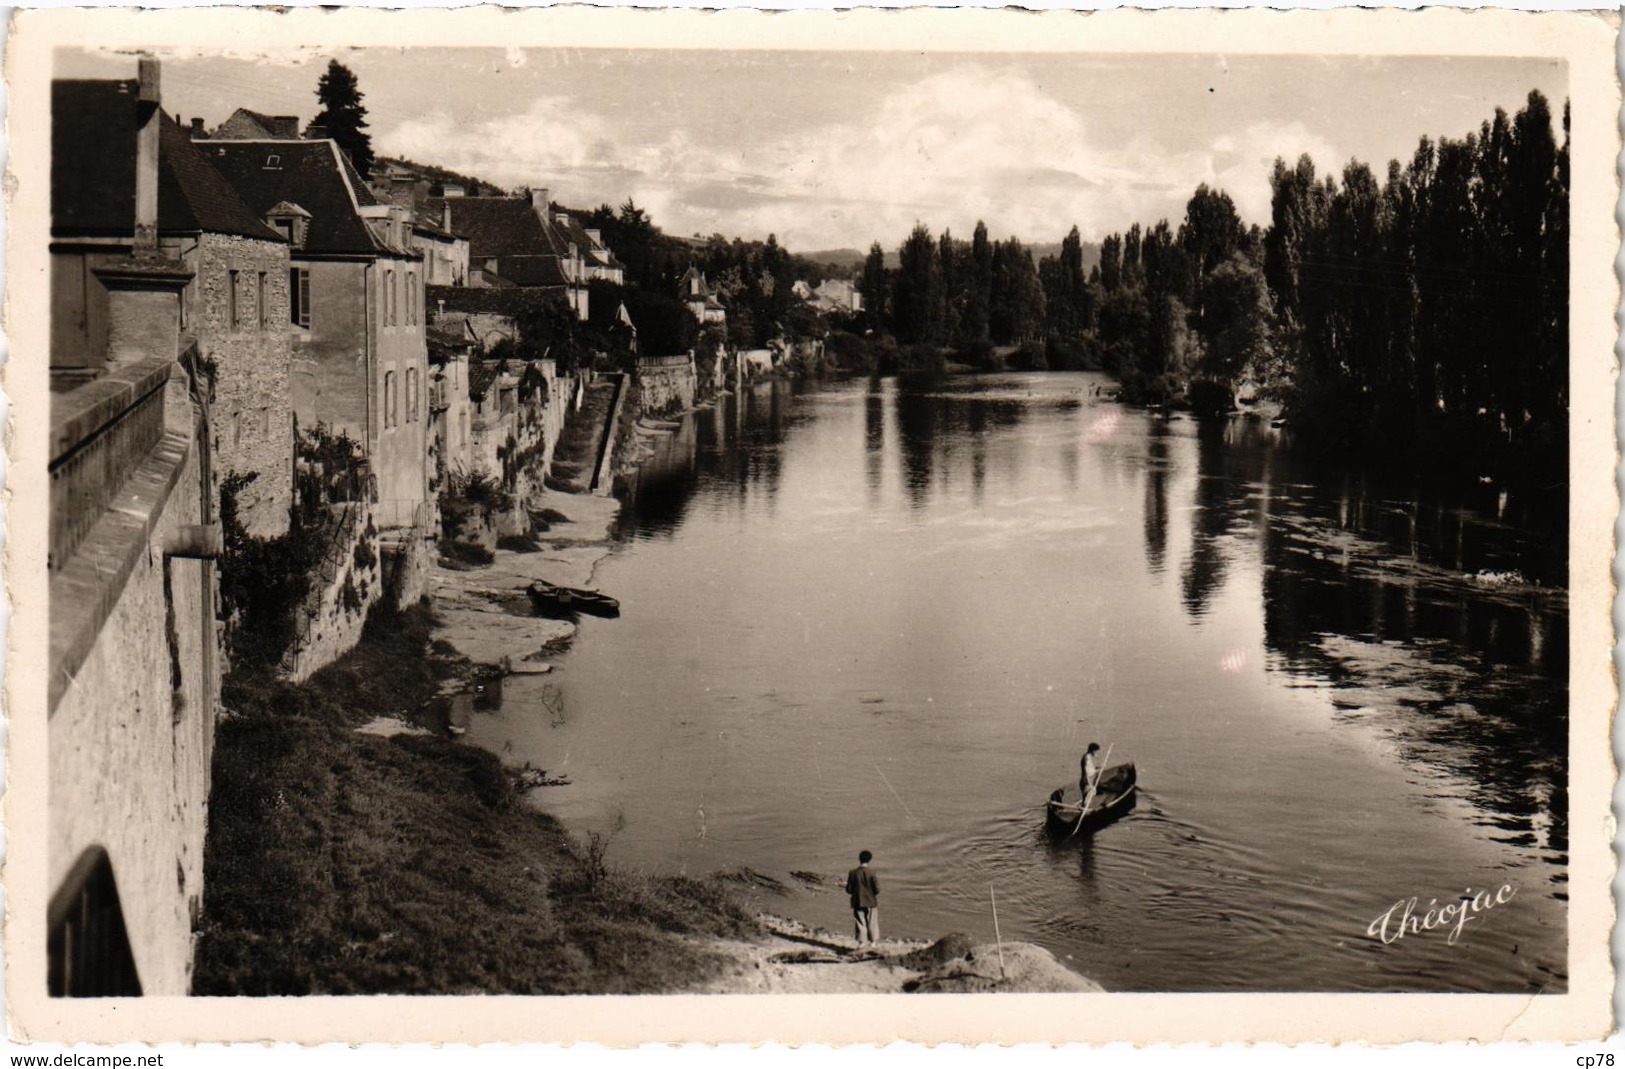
(1090, 795)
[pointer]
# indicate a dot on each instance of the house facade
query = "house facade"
(524, 242)
(701, 299)
(235, 306)
(356, 310)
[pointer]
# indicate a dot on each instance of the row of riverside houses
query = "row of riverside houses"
(242, 350)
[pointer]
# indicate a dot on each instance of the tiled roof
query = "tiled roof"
(509, 301)
(692, 292)
(496, 226)
(532, 270)
(573, 231)
(481, 374)
(312, 174)
(93, 135)
(277, 126)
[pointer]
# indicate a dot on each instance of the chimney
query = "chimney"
(450, 190)
(316, 133)
(148, 99)
(144, 289)
(445, 217)
(539, 201)
(197, 129)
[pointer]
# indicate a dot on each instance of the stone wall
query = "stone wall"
(408, 558)
(251, 407)
(131, 719)
(348, 584)
(665, 384)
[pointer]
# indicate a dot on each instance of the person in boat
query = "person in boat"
(1090, 777)
(864, 888)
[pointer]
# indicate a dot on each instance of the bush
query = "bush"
(263, 581)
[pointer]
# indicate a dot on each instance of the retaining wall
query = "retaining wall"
(348, 583)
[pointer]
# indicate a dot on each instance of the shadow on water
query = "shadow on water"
(1419, 604)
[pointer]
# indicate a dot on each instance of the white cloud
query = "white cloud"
(960, 145)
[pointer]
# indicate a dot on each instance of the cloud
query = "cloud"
(956, 146)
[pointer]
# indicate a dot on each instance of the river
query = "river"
(864, 615)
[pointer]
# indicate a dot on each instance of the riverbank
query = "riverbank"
(355, 848)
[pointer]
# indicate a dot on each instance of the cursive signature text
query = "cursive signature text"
(1406, 917)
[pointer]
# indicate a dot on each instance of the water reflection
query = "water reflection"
(874, 437)
(982, 594)
(1156, 496)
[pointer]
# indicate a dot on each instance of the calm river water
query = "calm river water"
(872, 616)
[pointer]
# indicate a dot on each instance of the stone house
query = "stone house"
(133, 679)
(356, 314)
(526, 243)
(246, 125)
(445, 253)
(235, 304)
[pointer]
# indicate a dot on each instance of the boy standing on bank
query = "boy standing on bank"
(864, 888)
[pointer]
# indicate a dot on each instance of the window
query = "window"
(262, 301)
(233, 316)
(411, 395)
(389, 399)
(299, 296)
(389, 298)
(412, 297)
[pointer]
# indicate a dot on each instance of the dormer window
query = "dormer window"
(291, 221)
(273, 162)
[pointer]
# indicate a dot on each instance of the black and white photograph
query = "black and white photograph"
(564, 514)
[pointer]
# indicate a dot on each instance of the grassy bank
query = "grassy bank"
(343, 863)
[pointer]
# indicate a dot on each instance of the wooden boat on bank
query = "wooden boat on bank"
(1114, 796)
(550, 600)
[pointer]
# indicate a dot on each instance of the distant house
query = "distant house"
(834, 295)
(452, 349)
(235, 306)
(526, 243)
(445, 252)
(700, 298)
(356, 314)
(245, 125)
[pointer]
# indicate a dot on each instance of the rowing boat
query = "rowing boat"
(550, 600)
(1114, 795)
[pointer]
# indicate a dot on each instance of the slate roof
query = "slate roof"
(312, 174)
(93, 136)
(692, 292)
(532, 271)
(510, 301)
(496, 226)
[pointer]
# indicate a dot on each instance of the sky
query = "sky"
(831, 150)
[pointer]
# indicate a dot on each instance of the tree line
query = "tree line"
(1425, 308)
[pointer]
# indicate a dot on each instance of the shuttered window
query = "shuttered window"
(299, 296)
